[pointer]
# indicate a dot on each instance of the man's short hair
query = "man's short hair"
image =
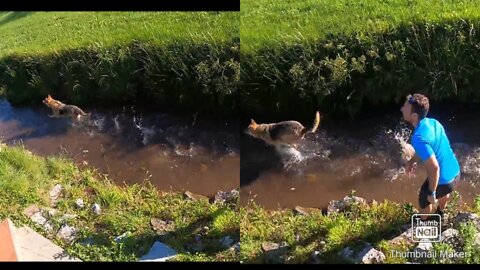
(420, 104)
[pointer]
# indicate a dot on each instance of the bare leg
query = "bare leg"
(442, 202)
(426, 210)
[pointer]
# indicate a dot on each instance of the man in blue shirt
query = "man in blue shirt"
(432, 148)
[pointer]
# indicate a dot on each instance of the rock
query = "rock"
(51, 212)
(465, 217)
(67, 217)
(67, 233)
(159, 252)
(31, 210)
(119, 238)
(79, 203)
(403, 238)
(422, 248)
(160, 226)
(96, 209)
(451, 236)
(236, 247)
(39, 219)
(274, 251)
(226, 197)
(306, 211)
(195, 197)
(339, 206)
(366, 255)
(226, 241)
(55, 194)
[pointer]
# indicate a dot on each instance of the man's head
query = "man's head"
(415, 108)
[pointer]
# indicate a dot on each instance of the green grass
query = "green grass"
(344, 57)
(40, 33)
(177, 61)
(266, 23)
(26, 179)
(329, 234)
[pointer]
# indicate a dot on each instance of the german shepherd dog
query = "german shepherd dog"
(60, 108)
(285, 133)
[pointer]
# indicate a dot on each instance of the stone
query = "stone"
(119, 238)
(159, 252)
(274, 251)
(96, 209)
(339, 206)
(67, 233)
(305, 211)
(236, 247)
(55, 194)
(366, 255)
(161, 226)
(31, 210)
(195, 197)
(226, 197)
(80, 204)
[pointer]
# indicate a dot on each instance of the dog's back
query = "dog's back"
(285, 132)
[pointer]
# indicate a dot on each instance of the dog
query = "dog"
(285, 133)
(60, 108)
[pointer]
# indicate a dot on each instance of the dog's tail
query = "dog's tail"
(316, 123)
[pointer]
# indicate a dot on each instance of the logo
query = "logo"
(428, 230)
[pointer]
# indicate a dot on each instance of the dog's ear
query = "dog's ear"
(49, 97)
(253, 121)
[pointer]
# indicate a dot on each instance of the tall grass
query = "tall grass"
(343, 56)
(173, 61)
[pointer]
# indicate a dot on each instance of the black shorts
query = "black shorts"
(442, 190)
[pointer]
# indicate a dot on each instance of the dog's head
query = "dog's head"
(47, 100)
(252, 128)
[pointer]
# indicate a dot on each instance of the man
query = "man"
(432, 147)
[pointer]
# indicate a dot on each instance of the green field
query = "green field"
(343, 57)
(26, 179)
(184, 62)
(40, 33)
(272, 23)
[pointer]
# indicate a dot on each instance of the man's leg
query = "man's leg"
(426, 210)
(425, 206)
(442, 202)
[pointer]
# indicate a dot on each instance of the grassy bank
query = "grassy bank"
(320, 238)
(26, 180)
(343, 56)
(169, 60)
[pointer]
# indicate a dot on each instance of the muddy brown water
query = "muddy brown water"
(173, 153)
(365, 158)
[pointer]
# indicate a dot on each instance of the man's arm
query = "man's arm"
(433, 172)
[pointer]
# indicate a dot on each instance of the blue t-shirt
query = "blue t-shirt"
(429, 138)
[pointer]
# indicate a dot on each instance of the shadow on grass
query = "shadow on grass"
(373, 235)
(185, 240)
(7, 17)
